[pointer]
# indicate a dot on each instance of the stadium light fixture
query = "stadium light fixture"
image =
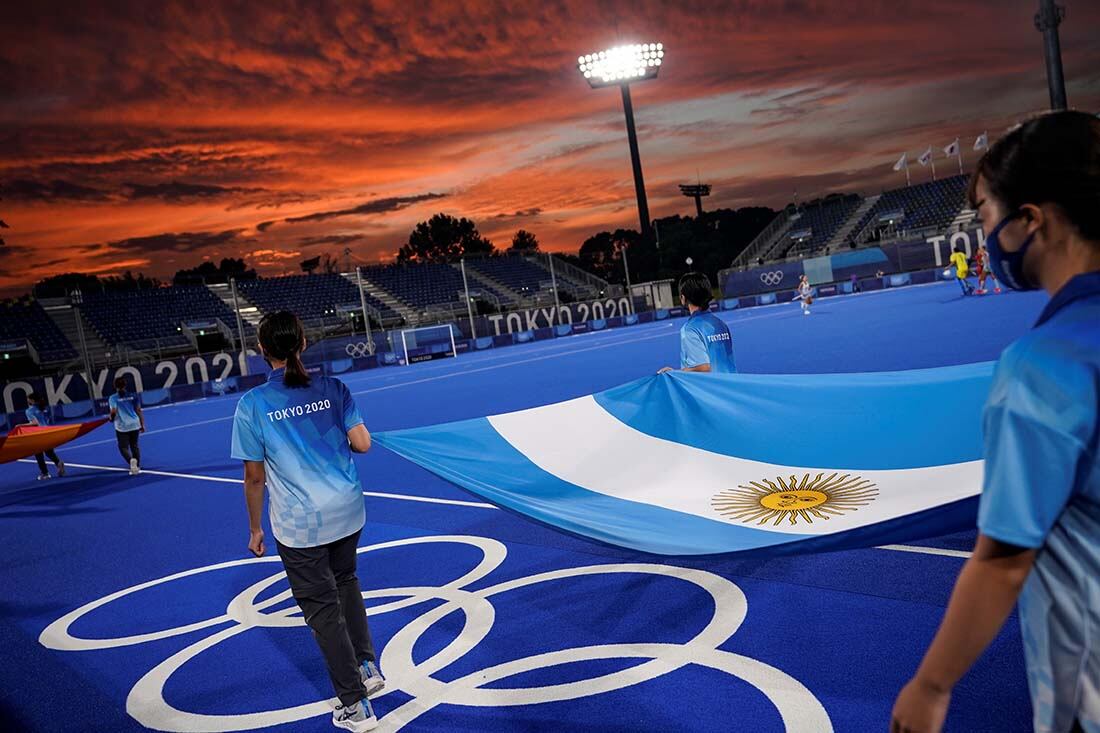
(696, 191)
(620, 66)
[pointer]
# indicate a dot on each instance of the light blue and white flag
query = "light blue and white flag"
(692, 464)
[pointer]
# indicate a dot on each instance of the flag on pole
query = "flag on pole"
(952, 149)
(925, 157)
(682, 465)
(903, 162)
(982, 143)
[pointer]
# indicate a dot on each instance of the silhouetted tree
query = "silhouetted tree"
(308, 266)
(524, 242)
(712, 241)
(207, 272)
(128, 282)
(59, 286)
(597, 255)
(3, 225)
(442, 238)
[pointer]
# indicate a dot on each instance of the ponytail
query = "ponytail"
(296, 374)
(281, 336)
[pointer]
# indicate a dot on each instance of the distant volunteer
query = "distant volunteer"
(38, 416)
(129, 422)
(1037, 191)
(296, 434)
(705, 341)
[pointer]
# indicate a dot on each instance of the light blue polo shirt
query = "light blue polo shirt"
(37, 416)
(301, 435)
(126, 417)
(1042, 491)
(706, 339)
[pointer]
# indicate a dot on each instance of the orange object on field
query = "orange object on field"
(26, 440)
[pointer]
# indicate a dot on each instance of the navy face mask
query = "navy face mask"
(1009, 266)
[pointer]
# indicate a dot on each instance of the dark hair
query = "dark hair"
(1052, 158)
(35, 397)
(281, 336)
(120, 384)
(695, 287)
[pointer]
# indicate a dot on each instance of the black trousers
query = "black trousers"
(128, 444)
(324, 583)
(41, 458)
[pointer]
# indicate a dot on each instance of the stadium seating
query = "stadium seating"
(518, 273)
(420, 286)
(310, 296)
(25, 319)
(151, 318)
(820, 220)
(927, 205)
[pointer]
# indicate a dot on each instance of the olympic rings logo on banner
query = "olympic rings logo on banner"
(799, 709)
(771, 278)
(362, 348)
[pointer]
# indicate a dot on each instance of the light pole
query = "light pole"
(618, 67)
(1047, 21)
(76, 299)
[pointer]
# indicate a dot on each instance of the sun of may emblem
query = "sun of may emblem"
(810, 498)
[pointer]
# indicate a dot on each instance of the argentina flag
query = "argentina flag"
(696, 464)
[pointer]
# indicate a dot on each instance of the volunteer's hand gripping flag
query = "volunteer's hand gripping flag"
(687, 464)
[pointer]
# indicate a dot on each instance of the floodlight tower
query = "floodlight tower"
(696, 191)
(1047, 21)
(619, 67)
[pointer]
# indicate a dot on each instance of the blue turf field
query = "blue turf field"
(542, 643)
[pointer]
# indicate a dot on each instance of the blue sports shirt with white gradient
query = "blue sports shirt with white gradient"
(126, 416)
(37, 416)
(301, 435)
(1041, 490)
(705, 339)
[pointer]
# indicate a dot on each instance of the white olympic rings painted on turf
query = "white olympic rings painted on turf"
(771, 278)
(361, 348)
(798, 708)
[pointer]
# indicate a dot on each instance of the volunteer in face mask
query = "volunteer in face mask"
(1037, 191)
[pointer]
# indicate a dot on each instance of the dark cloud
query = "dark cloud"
(177, 242)
(177, 190)
(56, 190)
(330, 239)
(378, 206)
(535, 211)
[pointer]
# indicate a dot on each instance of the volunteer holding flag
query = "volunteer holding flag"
(1036, 192)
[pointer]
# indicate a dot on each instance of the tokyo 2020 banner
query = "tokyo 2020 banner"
(70, 388)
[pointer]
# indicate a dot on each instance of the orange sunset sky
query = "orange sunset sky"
(149, 136)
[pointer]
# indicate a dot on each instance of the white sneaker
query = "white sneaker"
(806, 312)
(43, 476)
(358, 717)
(134, 470)
(372, 678)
